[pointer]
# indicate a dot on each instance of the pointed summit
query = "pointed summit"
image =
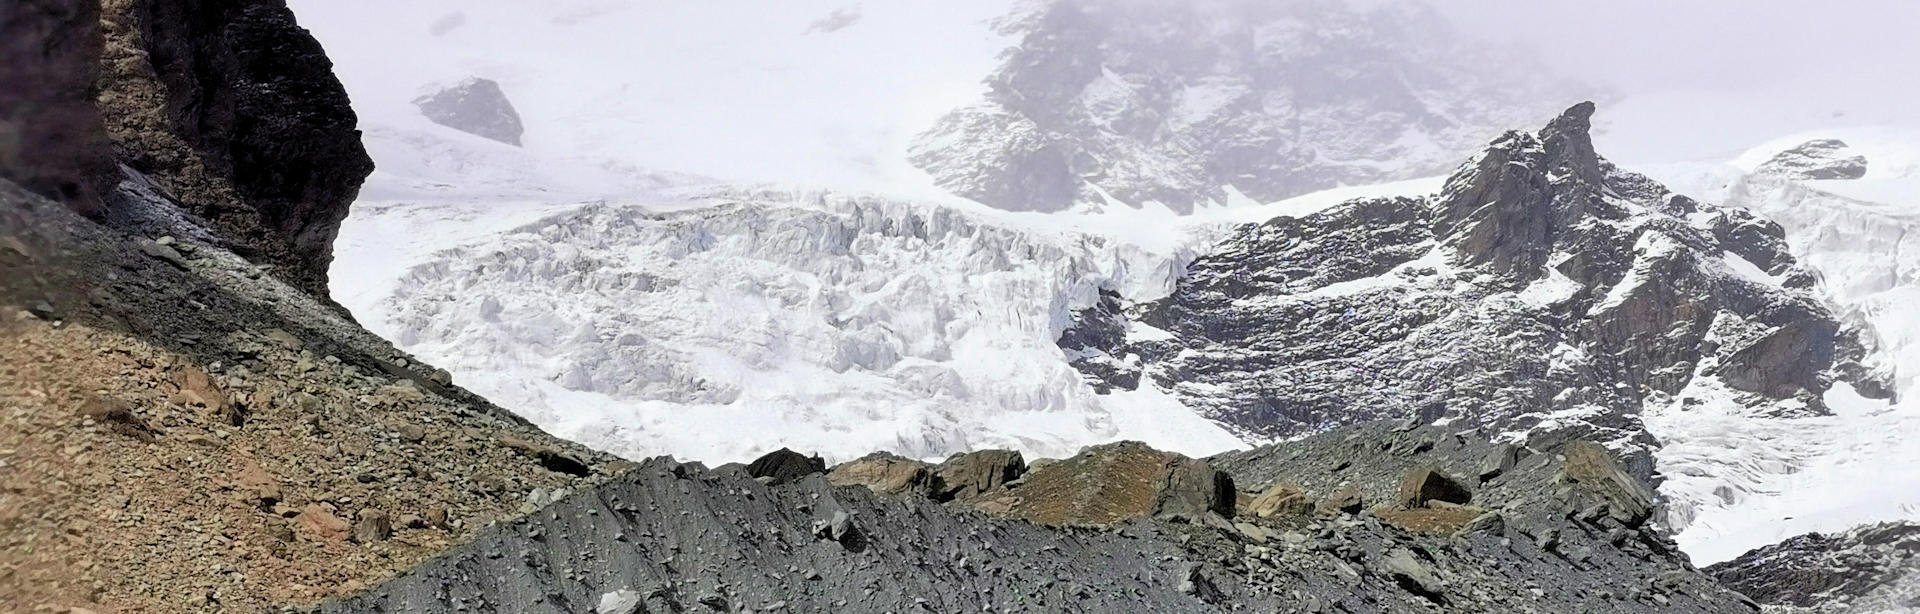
(1510, 206)
(1570, 146)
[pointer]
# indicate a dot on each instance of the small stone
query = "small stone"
(316, 519)
(412, 433)
(372, 526)
(618, 602)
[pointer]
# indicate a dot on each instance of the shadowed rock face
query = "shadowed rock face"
(229, 106)
(1543, 291)
(51, 137)
(1818, 159)
(475, 106)
(233, 109)
(1873, 568)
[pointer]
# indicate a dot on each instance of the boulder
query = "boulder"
(784, 465)
(885, 473)
(475, 106)
(320, 522)
(1428, 484)
(1343, 501)
(1499, 461)
(1282, 500)
(372, 526)
(1193, 489)
(965, 477)
(1114, 483)
(1591, 479)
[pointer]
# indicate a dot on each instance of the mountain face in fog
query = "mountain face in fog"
(1176, 102)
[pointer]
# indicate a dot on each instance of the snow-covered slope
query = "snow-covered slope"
(1738, 481)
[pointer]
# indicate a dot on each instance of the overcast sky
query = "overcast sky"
(1642, 45)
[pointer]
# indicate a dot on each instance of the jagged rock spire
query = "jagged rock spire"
(1508, 207)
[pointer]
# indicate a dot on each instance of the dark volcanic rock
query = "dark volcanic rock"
(784, 465)
(1543, 292)
(1873, 568)
(233, 109)
(475, 106)
(1817, 159)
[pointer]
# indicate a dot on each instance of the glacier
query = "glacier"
(1737, 481)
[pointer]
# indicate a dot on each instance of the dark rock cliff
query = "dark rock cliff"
(228, 105)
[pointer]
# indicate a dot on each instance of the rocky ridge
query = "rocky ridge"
(233, 109)
(1543, 292)
(1552, 533)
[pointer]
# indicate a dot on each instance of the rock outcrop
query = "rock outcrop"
(184, 430)
(232, 109)
(886, 473)
(475, 106)
(971, 474)
(1115, 483)
(1543, 292)
(1818, 159)
(1181, 103)
(1873, 568)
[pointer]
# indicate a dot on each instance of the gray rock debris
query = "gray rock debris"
(475, 106)
(685, 539)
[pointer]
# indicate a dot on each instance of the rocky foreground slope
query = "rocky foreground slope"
(184, 425)
(1372, 518)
